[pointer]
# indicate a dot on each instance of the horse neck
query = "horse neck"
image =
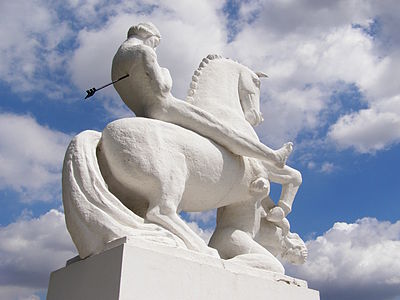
(214, 87)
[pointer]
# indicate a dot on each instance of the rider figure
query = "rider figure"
(153, 99)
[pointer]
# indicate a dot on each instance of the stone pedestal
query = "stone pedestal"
(132, 269)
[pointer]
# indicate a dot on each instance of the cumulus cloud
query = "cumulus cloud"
(205, 234)
(366, 130)
(31, 157)
(202, 223)
(31, 32)
(29, 250)
(354, 261)
(19, 293)
(203, 217)
(288, 112)
(327, 167)
(307, 47)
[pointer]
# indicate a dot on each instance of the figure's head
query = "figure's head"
(295, 250)
(249, 93)
(147, 32)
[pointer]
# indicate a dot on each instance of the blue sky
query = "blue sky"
(333, 90)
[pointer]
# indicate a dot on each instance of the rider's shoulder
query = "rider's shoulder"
(146, 50)
(138, 48)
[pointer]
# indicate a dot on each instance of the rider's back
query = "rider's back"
(137, 91)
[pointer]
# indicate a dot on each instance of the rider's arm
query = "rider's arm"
(160, 77)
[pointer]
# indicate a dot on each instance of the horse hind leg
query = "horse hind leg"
(167, 217)
(163, 211)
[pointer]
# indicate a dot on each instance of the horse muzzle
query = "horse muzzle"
(254, 117)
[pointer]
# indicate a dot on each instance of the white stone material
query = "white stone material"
(143, 270)
(135, 177)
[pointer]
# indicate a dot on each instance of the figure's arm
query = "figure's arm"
(198, 120)
(181, 113)
(160, 77)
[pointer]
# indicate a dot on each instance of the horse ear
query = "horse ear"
(261, 74)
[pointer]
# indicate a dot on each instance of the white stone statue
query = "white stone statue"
(135, 177)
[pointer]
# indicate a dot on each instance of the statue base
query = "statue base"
(137, 269)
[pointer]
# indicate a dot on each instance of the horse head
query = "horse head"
(228, 90)
(249, 94)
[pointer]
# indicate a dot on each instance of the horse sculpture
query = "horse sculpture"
(138, 174)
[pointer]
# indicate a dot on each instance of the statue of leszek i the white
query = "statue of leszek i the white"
(135, 177)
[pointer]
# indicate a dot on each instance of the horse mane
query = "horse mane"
(198, 72)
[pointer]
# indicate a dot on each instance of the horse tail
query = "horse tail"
(93, 215)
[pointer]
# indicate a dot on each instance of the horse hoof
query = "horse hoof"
(212, 252)
(275, 215)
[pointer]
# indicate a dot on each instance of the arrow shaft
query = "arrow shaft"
(106, 85)
(91, 91)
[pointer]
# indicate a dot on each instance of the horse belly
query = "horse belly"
(213, 173)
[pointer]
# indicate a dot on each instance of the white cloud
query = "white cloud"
(19, 293)
(204, 216)
(354, 261)
(288, 112)
(306, 47)
(327, 167)
(205, 234)
(29, 250)
(31, 157)
(30, 34)
(366, 130)
(311, 165)
(91, 62)
(303, 44)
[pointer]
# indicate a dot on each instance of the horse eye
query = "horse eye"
(256, 82)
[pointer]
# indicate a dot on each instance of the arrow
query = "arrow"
(90, 92)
